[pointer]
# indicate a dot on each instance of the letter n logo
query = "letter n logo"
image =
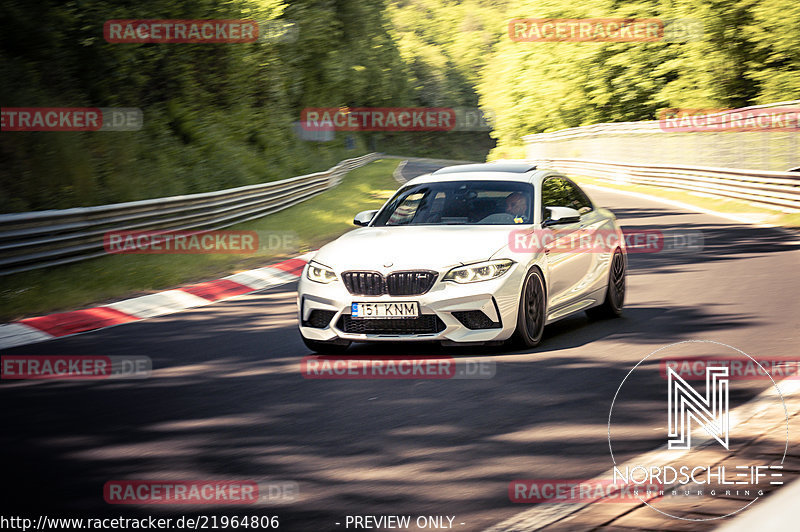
(685, 405)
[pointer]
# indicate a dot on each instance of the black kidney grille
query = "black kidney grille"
(412, 283)
(364, 283)
(424, 324)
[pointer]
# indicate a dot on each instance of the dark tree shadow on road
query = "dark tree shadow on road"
(228, 401)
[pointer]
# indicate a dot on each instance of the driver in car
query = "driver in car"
(517, 206)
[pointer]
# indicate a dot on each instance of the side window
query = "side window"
(554, 193)
(558, 192)
(580, 198)
(407, 209)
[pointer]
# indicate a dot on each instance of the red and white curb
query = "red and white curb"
(39, 329)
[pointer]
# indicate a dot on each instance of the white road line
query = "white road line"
(261, 278)
(14, 334)
(776, 513)
(159, 304)
(398, 173)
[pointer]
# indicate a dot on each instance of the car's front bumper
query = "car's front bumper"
(497, 299)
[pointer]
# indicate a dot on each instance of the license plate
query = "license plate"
(398, 309)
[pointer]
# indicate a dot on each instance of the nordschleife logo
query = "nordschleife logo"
(715, 446)
(686, 405)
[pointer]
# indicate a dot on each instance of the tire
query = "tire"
(615, 294)
(331, 347)
(532, 313)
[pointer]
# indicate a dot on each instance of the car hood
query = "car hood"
(412, 247)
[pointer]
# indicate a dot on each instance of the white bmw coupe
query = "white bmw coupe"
(479, 253)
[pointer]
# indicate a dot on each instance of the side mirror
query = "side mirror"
(561, 215)
(364, 217)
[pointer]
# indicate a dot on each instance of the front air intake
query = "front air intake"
(319, 319)
(475, 319)
(424, 324)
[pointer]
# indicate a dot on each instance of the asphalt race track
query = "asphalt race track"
(227, 400)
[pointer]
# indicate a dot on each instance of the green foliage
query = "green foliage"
(749, 54)
(221, 115)
(216, 115)
(775, 64)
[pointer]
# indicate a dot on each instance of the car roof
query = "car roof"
(520, 171)
(500, 166)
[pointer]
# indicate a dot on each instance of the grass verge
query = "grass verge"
(114, 277)
(728, 206)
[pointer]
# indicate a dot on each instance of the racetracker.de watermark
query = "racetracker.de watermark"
(739, 368)
(324, 367)
(198, 492)
(604, 240)
(683, 120)
(55, 367)
(71, 119)
(579, 491)
(605, 30)
(198, 31)
(198, 242)
(396, 119)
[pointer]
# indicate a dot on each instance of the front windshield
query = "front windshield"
(460, 203)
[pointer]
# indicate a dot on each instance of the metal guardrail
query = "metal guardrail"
(648, 142)
(770, 189)
(33, 240)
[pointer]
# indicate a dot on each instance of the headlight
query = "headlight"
(482, 271)
(319, 273)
